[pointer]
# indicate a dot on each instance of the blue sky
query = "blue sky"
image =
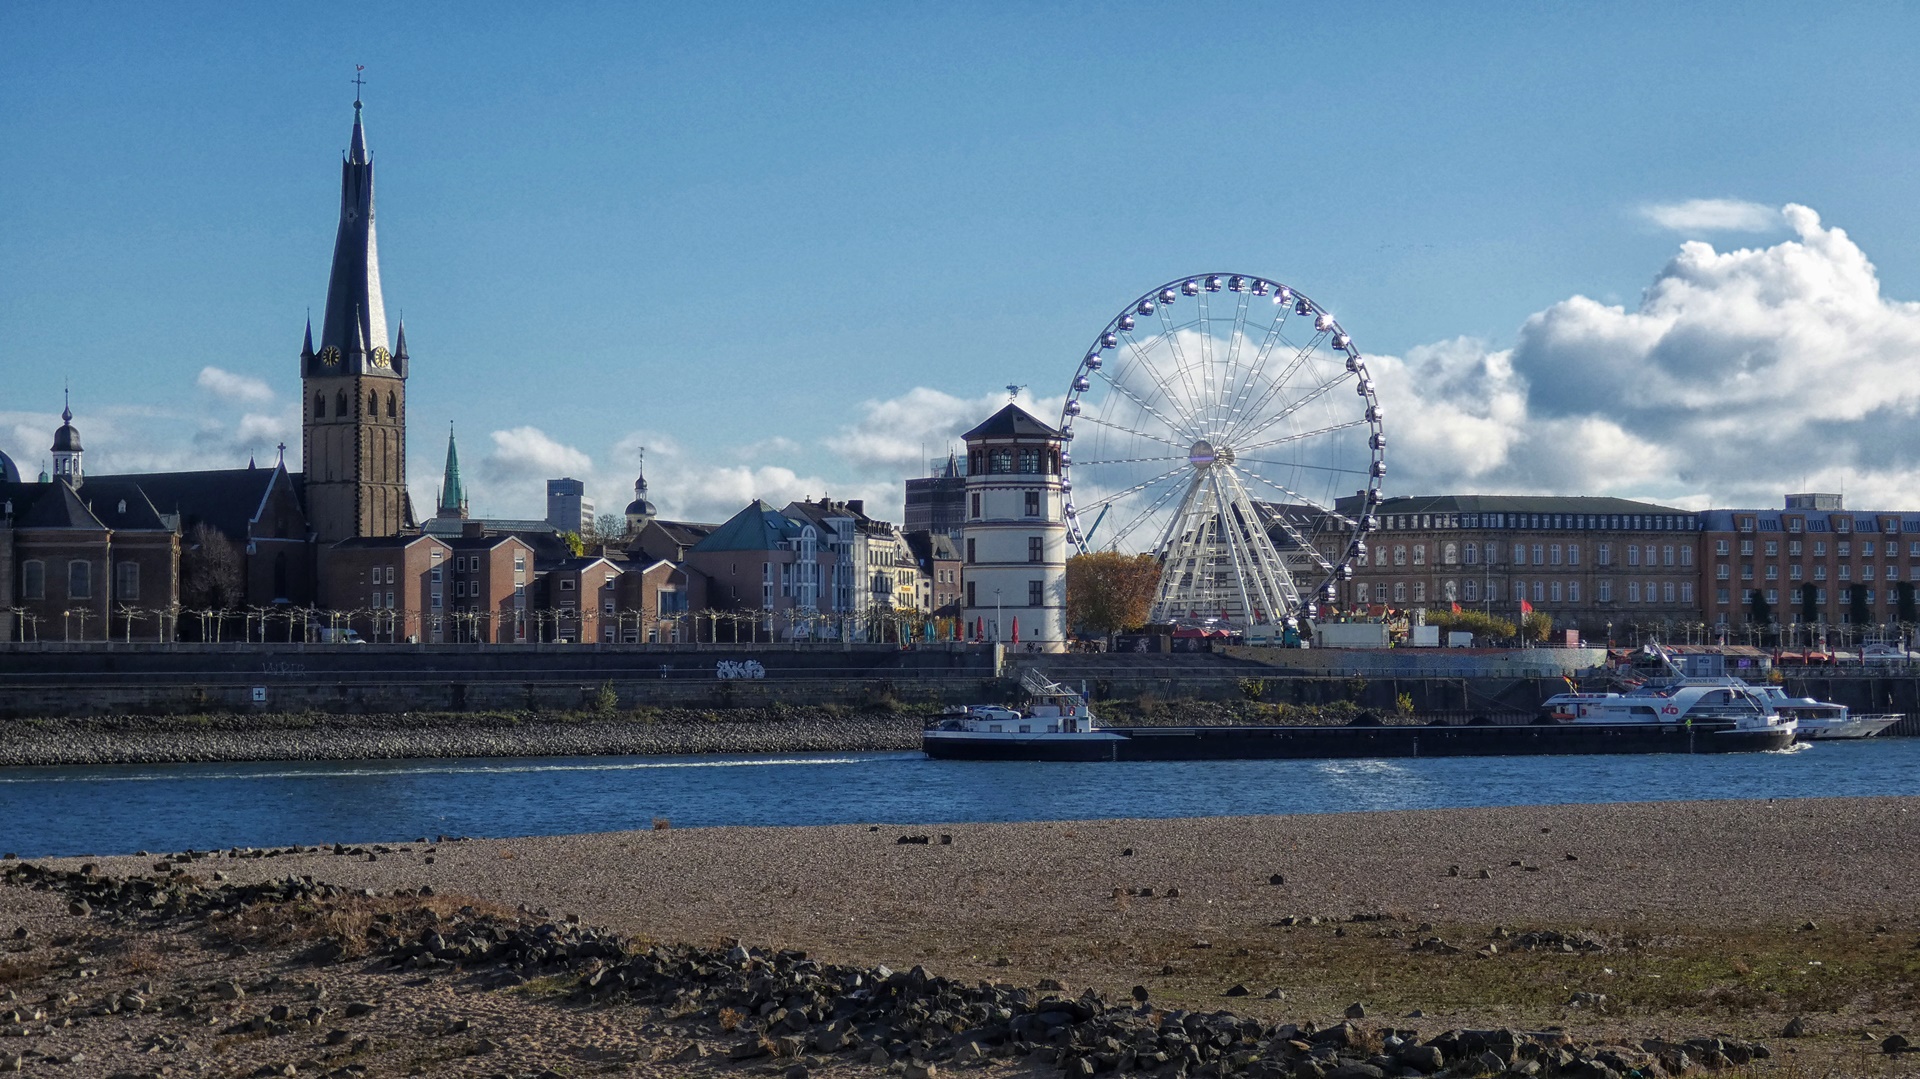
(782, 246)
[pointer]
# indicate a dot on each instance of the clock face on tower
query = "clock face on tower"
(330, 356)
(381, 357)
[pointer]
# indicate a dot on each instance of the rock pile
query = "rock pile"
(787, 1006)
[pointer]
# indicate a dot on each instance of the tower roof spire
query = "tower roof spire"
(356, 316)
(453, 494)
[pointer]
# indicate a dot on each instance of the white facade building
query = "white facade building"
(1014, 539)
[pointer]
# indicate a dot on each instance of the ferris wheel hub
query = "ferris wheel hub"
(1203, 455)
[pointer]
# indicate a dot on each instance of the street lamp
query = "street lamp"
(999, 631)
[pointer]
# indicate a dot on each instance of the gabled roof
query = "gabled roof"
(229, 499)
(121, 506)
(759, 527)
(1508, 504)
(1011, 422)
(930, 546)
(484, 542)
(48, 505)
(382, 542)
(583, 563)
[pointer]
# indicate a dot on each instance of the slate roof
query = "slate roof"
(759, 527)
(47, 505)
(928, 547)
(383, 542)
(105, 498)
(1011, 422)
(229, 499)
(1508, 504)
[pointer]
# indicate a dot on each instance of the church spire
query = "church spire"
(355, 319)
(453, 494)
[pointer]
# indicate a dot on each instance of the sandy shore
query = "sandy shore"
(1700, 915)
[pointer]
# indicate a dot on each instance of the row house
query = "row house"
(85, 565)
(772, 566)
(1590, 563)
(937, 559)
(429, 589)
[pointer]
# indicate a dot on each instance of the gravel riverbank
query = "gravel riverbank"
(320, 736)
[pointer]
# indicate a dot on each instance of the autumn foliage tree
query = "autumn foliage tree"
(1108, 591)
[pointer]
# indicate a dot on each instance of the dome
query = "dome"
(640, 507)
(9, 473)
(66, 439)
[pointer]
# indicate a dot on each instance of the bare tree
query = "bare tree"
(212, 570)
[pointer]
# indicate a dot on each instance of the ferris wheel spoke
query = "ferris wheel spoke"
(1080, 510)
(1302, 464)
(1123, 429)
(1306, 399)
(1171, 335)
(1296, 496)
(1120, 386)
(1147, 513)
(1129, 461)
(1229, 380)
(1279, 517)
(1300, 436)
(1300, 357)
(1208, 396)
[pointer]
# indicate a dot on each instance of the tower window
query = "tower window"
(373, 403)
(340, 403)
(319, 406)
(392, 409)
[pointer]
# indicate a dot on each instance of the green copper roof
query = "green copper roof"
(453, 495)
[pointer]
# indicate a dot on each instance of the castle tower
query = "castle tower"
(1014, 537)
(354, 449)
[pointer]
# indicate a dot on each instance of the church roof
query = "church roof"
(759, 527)
(121, 505)
(229, 499)
(1011, 422)
(355, 319)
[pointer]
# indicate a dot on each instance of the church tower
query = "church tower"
(355, 400)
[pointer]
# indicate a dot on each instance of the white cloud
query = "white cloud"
(898, 435)
(530, 453)
(1712, 215)
(234, 388)
(1739, 374)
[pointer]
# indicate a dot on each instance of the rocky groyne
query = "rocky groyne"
(323, 736)
(779, 1011)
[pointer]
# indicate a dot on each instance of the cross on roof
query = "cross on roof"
(358, 82)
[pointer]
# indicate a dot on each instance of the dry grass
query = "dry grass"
(354, 921)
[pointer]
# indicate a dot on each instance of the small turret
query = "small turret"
(66, 449)
(640, 511)
(453, 494)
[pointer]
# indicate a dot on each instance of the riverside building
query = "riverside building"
(1608, 567)
(1014, 542)
(1812, 563)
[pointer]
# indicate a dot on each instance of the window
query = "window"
(1844, 549)
(1793, 572)
(1399, 556)
(436, 601)
(1686, 555)
(970, 558)
(1473, 554)
(1472, 587)
(1819, 548)
(1419, 591)
(1573, 591)
(1793, 548)
(459, 589)
(1493, 591)
(1419, 554)
(1604, 591)
(1360, 593)
(1036, 594)
(1451, 553)
(1746, 571)
(1746, 546)
(376, 600)
(79, 580)
(1686, 591)
(1605, 554)
(566, 584)
(1721, 547)
(1036, 549)
(1773, 548)
(1819, 595)
(1492, 552)
(1573, 554)
(1000, 461)
(1866, 572)
(1537, 560)
(1819, 572)
(1866, 549)
(373, 403)
(1666, 591)
(391, 410)
(1666, 554)
(1553, 555)
(1722, 598)
(1033, 503)
(1539, 592)
(519, 562)
(1773, 595)
(389, 599)
(1399, 592)
(1633, 554)
(33, 580)
(970, 601)
(1846, 572)
(340, 403)
(1633, 591)
(1556, 591)
(127, 580)
(1029, 461)
(1519, 554)
(319, 406)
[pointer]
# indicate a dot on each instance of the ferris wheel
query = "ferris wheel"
(1215, 422)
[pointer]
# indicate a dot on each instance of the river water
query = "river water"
(120, 809)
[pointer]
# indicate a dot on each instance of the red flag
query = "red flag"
(1525, 607)
(1016, 629)
(1456, 608)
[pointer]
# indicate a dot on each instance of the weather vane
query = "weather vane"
(1013, 390)
(358, 82)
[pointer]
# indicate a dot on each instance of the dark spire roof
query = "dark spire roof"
(453, 494)
(1011, 422)
(640, 507)
(355, 320)
(306, 348)
(400, 342)
(66, 439)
